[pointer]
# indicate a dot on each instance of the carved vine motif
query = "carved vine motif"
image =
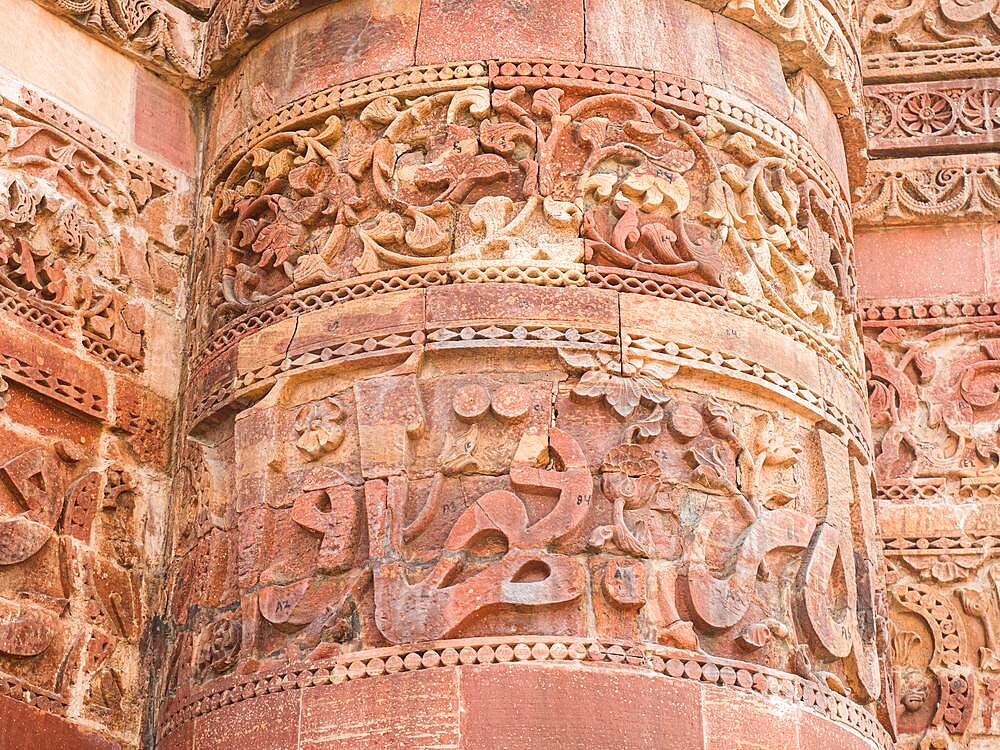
(917, 25)
(933, 400)
(917, 193)
(58, 255)
(137, 25)
(541, 177)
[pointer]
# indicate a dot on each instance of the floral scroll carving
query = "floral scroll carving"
(540, 177)
(931, 399)
(926, 25)
(918, 193)
(62, 266)
(138, 26)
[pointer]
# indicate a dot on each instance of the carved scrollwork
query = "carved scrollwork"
(911, 192)
(545, 177)
(62, 265)
(924, 25)
(932, 400)
(138, 26)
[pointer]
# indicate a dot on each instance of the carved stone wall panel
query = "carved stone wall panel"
(92, 255)
(930, 190)
(927, 40)
(500, 212)
(944, 601)
(419, 498)
(944, 116)
(929, 378)
(514, 355)
(398, 479)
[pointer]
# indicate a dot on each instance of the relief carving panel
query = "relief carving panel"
(931, 391)
(92, 251)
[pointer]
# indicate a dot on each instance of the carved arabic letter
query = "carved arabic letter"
(527, 575)
(337, 526)
(722, 602)
(20, 538)
(24, 630)
(833, 634)
(35, 479)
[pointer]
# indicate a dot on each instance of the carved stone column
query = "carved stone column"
(526, 402)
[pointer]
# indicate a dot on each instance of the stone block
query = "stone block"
(737, 721)
(569, 707)
(455, 30)
(752, 67)
(675, 36)
(407, 711)
(25, 726)
(162, 121)
(921, 262)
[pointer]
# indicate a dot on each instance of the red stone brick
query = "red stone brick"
(991, 251)
(270, 721)
(675, 35)
(741, 721)
(818, 733)
(182, 738)
(162, 123)
(22, 727)
(51, 418)
(573, 707)
(752, 67)
(408, 711)
(819, 125)
(520, 303)
(929, 261)
(452, 30)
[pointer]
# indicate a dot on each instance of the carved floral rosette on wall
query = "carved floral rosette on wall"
(521, 365)
(92, 239)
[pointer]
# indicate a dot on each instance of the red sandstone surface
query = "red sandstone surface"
(499, 374)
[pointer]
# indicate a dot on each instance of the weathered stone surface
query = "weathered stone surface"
(501, 384)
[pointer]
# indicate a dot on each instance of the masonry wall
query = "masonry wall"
(96, 179)
(497, 374)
